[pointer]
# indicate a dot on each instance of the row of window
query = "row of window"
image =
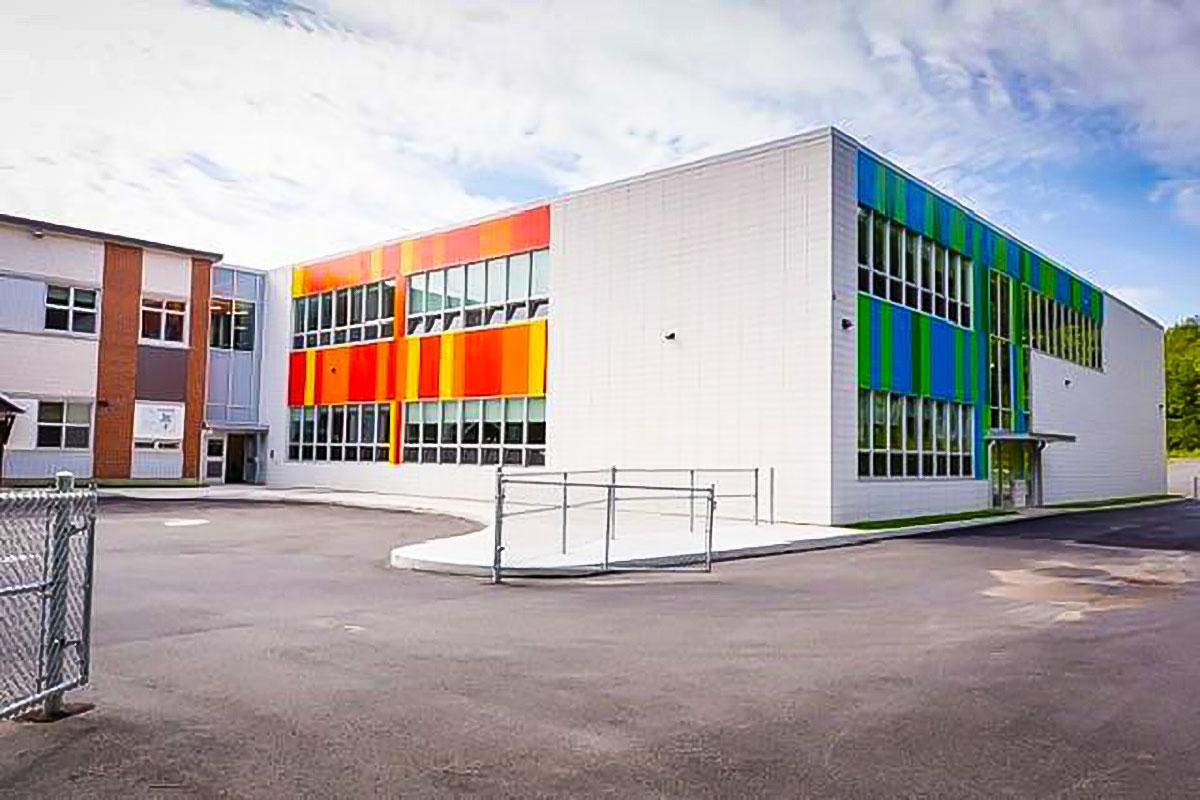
(354, 314)
(914, 437)
(1064, 332)
(1001, 379)
(905, 267)
(231, 324)
(510, 431)
(358, 432)
(482, 293)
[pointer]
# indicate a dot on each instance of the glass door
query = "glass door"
(214, 458)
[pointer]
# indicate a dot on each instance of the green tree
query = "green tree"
(1181, 352)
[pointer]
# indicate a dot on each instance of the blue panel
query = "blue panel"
(1014, 259)
(943, 212)
(866, 179)
(902, 355)
(914, 206)
(941, 360)
(1062, 286)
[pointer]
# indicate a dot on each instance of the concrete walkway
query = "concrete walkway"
(533, 544)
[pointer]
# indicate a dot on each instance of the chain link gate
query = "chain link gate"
(46, 556)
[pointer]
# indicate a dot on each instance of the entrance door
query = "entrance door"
(1011, 469)
(235, 458)
(214, 457)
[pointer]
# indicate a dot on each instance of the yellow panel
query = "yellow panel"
(376, 263)
(394, 409)
(297, 281)
(537, 357)
(412, 376)
(310, 377)
(446, 367)
(407, 257)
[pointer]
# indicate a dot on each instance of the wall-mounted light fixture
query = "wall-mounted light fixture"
(668, 336)
(37, 233)
(847, 323)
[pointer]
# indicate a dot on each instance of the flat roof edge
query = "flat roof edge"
(116, 238)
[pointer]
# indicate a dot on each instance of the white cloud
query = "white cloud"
(1184, 197)
(276, 136)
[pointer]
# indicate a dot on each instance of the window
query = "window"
(1000, 372)
(914, 437)
(231, 324)
(69, 308)
(163, 320)
(491, 431)
(1058, 330)
(489, 292)
(912, 270)
(358, 432)
(353, 314)
(63, 424)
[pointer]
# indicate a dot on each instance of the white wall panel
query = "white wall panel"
(731, 255)
(74, 261)
(166, 275)
(22, 304)
(156, 464)
(48, 365)
(1116, 415)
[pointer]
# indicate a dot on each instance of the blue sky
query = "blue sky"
(275, 130)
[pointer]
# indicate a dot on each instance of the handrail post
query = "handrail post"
(771, 490)
(756, 495)
(708, 532)
(613, 528)
(610, 507)
(692, 501)
(497, 545)
(564, 515)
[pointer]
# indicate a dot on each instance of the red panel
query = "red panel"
(391, 262)
(482, 356)
(531, 229)
(296, 379)
(462, 245)
(319, 374)
(362, 373)
(431, 350)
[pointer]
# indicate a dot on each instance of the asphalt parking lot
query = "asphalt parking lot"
(269, 652)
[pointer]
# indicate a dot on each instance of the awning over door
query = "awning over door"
(1044, 437)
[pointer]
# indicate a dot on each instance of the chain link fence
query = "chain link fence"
(46, 557)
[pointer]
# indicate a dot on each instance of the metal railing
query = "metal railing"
(559, 491)
(47, 542)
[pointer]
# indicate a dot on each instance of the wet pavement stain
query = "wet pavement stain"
(1075, 591)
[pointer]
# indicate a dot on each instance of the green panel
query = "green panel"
(1076, 294)
(900, 200)
(864, 341)
(926, 354)
(1000, 253)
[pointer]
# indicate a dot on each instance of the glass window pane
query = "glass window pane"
(49, 436)
(367, 414)
(435, 291)
(471, 414)
(337, 424)
(492, 412)
(383, 424)
(416, 293)
(243, 325)
(151, 324)
(356, 305)
(387, 299)
(79, 413)
(476, 283)
(58, 295)
(495, 280)
(518, 277)
(83, 321)
(85, 298)
(455, 286)
(540, 278)
(450, 422)
(372, 308)
(352, 427)
(173, 327)
(57, 319)
(431, 417)
(535, 412)
(50, 412)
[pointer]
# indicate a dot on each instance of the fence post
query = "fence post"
(611, 508)
(564, 519)
(58, 543)
(692, 501)
(708, 527)
(771, 496)
(756, 495)
(497, 546)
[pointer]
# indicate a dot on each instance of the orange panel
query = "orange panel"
(495, 238)
(427, 385)
(391, 261)
(362, 373)
(531, 230)
(385, 379)
(335, 366)
(514, 365)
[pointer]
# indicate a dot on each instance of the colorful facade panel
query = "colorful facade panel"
(904, 351)
(508, 361)
(515, 233)
(913, 205)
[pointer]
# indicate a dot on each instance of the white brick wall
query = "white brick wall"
(733, 256)
(1116, 415)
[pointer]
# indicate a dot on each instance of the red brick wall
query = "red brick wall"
(197, 366)
(120, 323)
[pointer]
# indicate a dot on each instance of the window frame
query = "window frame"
(147, 305)
(63, 424)
(71, 308)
